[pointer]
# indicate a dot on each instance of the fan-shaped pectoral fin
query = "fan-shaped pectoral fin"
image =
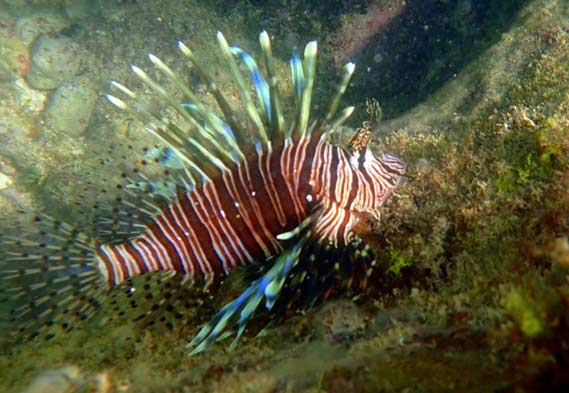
(267, 287)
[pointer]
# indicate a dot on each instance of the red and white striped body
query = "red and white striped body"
(236, 218)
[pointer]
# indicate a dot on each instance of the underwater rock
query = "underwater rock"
(10, 194)
(46, 22)
(54, 60)
(66, 379)
(484, 82)
(15, 54)
(387, 319)
(71, 105)
(73, 379)
(5, 181)
(339, 322)
(32, 100)
(4, 74)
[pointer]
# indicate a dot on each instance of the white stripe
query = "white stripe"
(164, 228)
(115, 264)
(128, 263)
(147, 256)
(187, 260)
(164, 259)
(194, 241)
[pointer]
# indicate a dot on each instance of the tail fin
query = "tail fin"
(48, 276)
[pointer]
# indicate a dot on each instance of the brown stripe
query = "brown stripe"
(108, 265)
(132, 251)
(180, 227)
(171, 247)
(119, 260)
(212, 262)
(155, 255)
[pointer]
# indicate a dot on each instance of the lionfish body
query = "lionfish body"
(237, 218)
(243, 195)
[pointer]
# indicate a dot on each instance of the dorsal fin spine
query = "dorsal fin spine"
(165, 134)
(242, 87)
(228, 113)
(340, 90)
(344, 115)
(217, 129)
(198, 108)
(297, 75)
(123, 89)
(178, 132)
(277, 119)
(309, 68)
(144, 115)
(259, 82)
(179, 84)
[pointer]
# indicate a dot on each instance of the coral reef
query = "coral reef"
(470, 288)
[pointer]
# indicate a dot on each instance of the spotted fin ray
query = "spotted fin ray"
(48, 266)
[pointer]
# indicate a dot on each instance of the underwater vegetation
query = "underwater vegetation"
(469, 288)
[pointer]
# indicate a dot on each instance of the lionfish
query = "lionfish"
(254, 187)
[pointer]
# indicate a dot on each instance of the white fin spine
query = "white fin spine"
(194, 100)
(342, 117)
(167, 132)
(277, 119)
(229, 115)
(309, 69)
(124, 89)
(173, 77)
(340, 90)
(243, 88)
(215, 132)
(181, 134)
(118, 102)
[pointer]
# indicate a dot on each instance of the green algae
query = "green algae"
(398, 261)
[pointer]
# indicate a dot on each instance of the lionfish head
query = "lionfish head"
(379, 177)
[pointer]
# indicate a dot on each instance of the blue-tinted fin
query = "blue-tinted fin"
(217, 129)
(166, 157)
(297, 75)
(259, 82)
(277, 119)
(257, 124)
(267, 287)
(202, 114)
